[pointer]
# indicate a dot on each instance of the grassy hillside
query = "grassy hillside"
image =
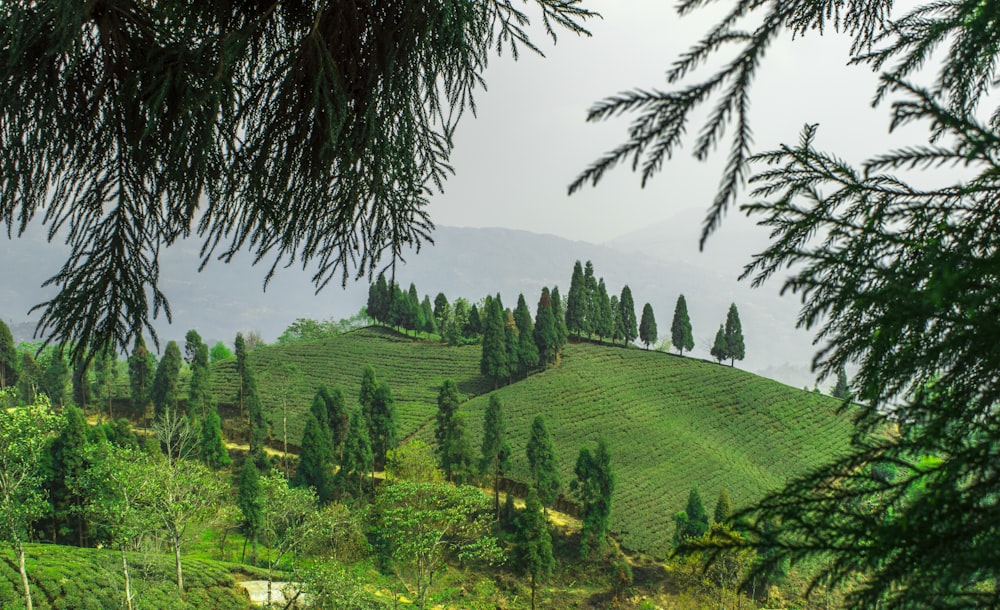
(72, 578)
(671, 422)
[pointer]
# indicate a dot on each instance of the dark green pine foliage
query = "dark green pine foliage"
(604, 321)
(200, 400)
(495, 449)
(414, 314)
(81, 382)
(576, 302)
(629, 326)
(442, 311)
(69, 462)
(165, 391)
(474, 327)
(723, 507)
(29, 379)
(735, 348)
(692, 522)
(545, 330)
(533, 543)
(647, 326)
(250, 400)
(315, 467)
(358, 460)
(398, 307)
(8, 357)
(590, 299)
(212, 446)
(720, 349)
(451, 444)
(378, 299)
(366, 395)
(250, 501)
(427, 315)
(55, 378)
(493, 363)
(512, 343)
(680, 328)
(617, 330)
(841, 390)
(383, 426)
(542, 462)
(562, 332)
(527, 352)
(105, 376)
(337, 418)
(594, 488)
(141, 368)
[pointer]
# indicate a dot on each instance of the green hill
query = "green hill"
(671, 422)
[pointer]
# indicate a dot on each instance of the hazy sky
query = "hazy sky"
(514, 160)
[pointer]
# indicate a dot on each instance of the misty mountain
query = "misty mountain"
(225, 299)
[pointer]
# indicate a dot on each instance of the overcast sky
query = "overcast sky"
(514, 160)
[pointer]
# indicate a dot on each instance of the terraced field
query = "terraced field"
(289, 375)
(73, 578)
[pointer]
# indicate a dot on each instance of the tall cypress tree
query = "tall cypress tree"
(357, 461)
(562, 332)
(248, 397)
(315, 467)
(604, 320)
(527, 350)
(647, 326)
(337, 416)
(212, 446)
(493, 363)
(692, 522)
(545, 330)
(495, 449)
(366, 395)
(534, 543)
(542, 462)
(590, 299)
(452, 446)
(29, 379)
(250, 501)
(594, 487)
(199, 391)
(723, 507)
(8, 357)
(511, 342)
(576, 302)
(617, 330)
(427, 316)
(165, 384)
(680, 327)
(55, 378)
(720, 350)
(735, 348)
(81, 381)
(383, 426)
(628, 322)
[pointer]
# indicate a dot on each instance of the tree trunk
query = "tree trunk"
(177, 560)
(24, 575)
(128, 582)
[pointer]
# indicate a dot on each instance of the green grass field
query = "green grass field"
(671, 422)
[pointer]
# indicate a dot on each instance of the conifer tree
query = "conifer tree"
(647, 326)
(427, 316)
(493, 363)
(628, 322)
(680, 327)
(512, 343)
(527, 352)
(55, 378)
(250, 501)
(383, 425)
(414, 313)
(723, 507)
(545, 330)
(442, 311)
(165, 391)
(8, 358)
(841, 390)
(534, 543)
(542, 462)
(562, 333)
(495, 449)
(594, 488)
(81, 381)
(315, 467)
(474, 325)
(576, 302)
(366, 395)
(603, 323)
(444, 431)
(692, 522)
(105, 376)
(29, 380)
(212, 446)
(617, 330)
(720, 349)
(358, 460)
(337, 416)
(248, 397)
(734, 336)
(590, 299)
(199, 391)
(69, 462)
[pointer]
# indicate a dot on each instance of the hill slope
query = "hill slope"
(671, 422)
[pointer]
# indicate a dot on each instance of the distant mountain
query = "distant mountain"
(225, 299)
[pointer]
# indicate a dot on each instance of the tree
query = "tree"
(617, 329)
(720, 349)
(164, 392)
(692, 522)
(576, 302)
(8, 357)
(533, 543)
(723, 507)
(250, 400)
(334, 409)
(315, 467)
(628, 323)
(199, 391)
(415, 461)
(442, 312)
(604, 320)
(590, 299)
(141, 368)
(422, 525)
(357, 461)
(212, 446)
(680, 327)
(647, 326)
(427, 316)
(460, 323)
(542, 462)
(493, 363)
(219, 352)
(250, 502)
(562, 333)
(495, 449)
(383, 428)
(527, 349)
(68, 452)
(29, 380)
(451, 443)
(55, 377)
(24, 434)
(594, 488)
(734, 336)
(366, 395)
(511, 342)
(545, 330)
(841, 390)
(105, 376)
(378, 299)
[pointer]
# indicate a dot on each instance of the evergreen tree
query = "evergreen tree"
(604, 320)
(647, 326)
(69, 462)
(8, 357)
(315, 467)
(533, 543)
(29, 379)
(590, 299)
(165, 391)
(212, 447)
(248, 397)
(81, 381)
(358, 460)
(527, 348)
(250, 501)
(576, 302)
(543, 463)
(413, 318)
(442, 311)
(105, 376)
(55, 378)
(334, 406)
(594, 487)
(366, 395)
(474, 325)
(680, 327)
(446, 433)
(562, 332)
(427, 316)
(219, 352)
(545, 330)
(841, 390)
(628, 322)
(720, 349)
(458, 329)
(511, 342)
(734, 336)
(383, 426)
(493, 363)
(692, 522)
(617, 330)
(723, 507)
(378, 299)
(495, 449)
(199, 389)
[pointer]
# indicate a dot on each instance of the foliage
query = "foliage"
(358, 460)
(647, 326)
(576, 302)
(841, 390)
(196, 354)
(212, 447)
(542, 462)
(604, 320)
(720, 349)
(219, 353)
(545, 330)
(315, 466)
(29, 380)
(527, 349)
(141, 368)
(495, 448)
(594, 488)
(723, 507)
(55, 377)
(423, 525)
(735, 349)
(383, 427)
(415, 461)
(534, 544)
(680, 327)
(250, 502)
(8, 358)
(627, 316)
(494, 363)
(692, 522)
(249, 400)
(453, 448)
(164, 392)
